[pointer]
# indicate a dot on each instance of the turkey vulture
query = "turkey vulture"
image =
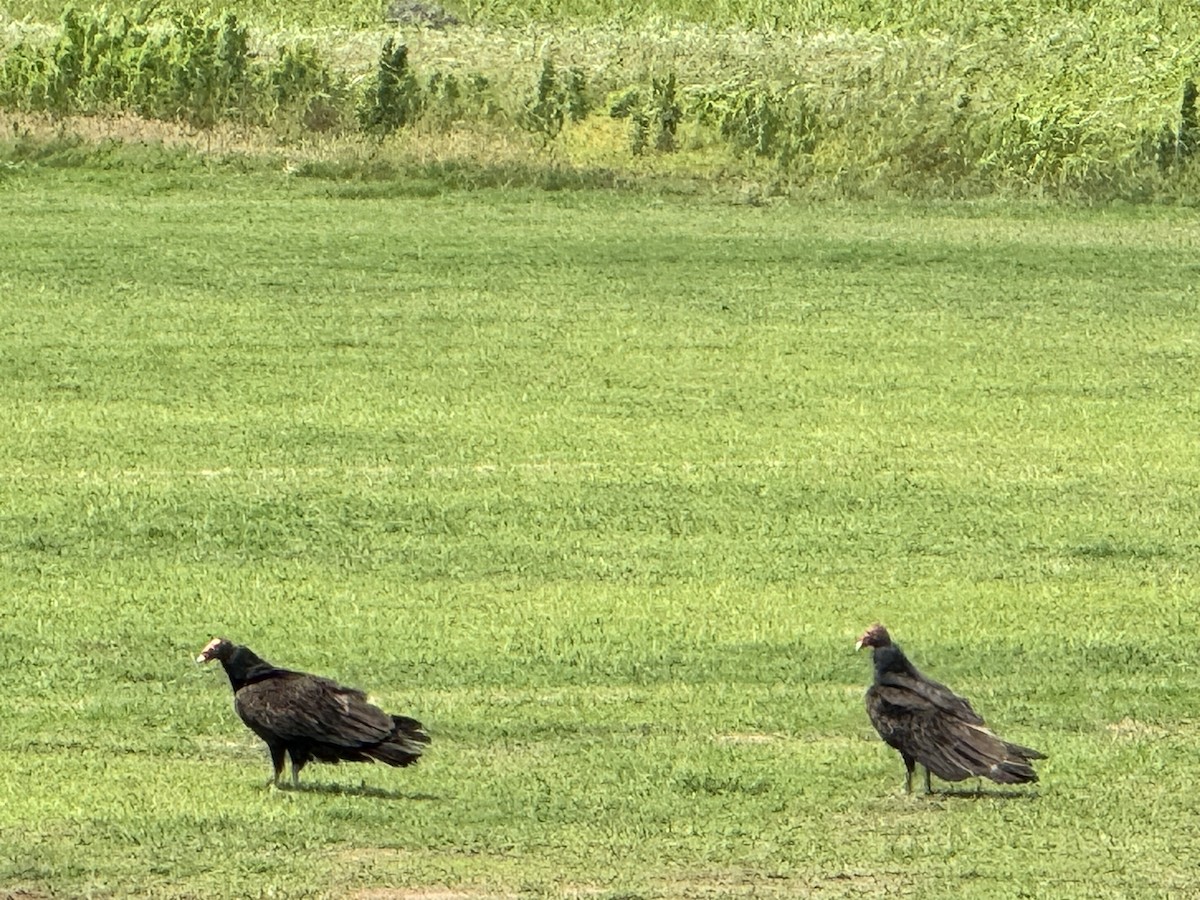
(931, 725)
(312, 718)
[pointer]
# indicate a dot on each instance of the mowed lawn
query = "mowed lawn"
(601, 487)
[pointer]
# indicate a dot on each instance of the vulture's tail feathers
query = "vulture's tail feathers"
(404, 745)
(1009, 771)
(1023, 752)
(975, 751)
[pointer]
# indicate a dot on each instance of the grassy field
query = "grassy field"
(601, 487)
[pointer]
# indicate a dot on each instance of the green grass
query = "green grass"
(601, 487)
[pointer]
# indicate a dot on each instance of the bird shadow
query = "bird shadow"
(355, 790)
(981, 793)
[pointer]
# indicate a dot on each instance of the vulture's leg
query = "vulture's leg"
(277, 752)
(909, 764)
(299, 761)
(928, 786)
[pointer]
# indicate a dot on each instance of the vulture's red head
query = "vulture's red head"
(875, 636)
(217, 648)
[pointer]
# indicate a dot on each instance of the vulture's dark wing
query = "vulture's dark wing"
(298, 707)
(920, 693)
(941, 731)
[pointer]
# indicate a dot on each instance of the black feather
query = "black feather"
(307, 717)
(929, 724)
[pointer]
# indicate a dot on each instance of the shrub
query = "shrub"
(1175, 145)
(556, 98)
(776, 123)
(394, 98)
(196, 69)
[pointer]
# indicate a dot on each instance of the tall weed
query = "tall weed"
(394, 97)
(557, 97)
(1091, 99)
(186, 66)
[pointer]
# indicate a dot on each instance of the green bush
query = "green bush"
(450, 99)
(773, 122)
(302, 90)
(394, 99)
(556, 98)
(190, 67)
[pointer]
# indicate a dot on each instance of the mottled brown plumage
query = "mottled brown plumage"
(311, 718)
(931, 725)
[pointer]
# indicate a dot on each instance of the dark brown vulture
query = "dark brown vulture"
(931, 725)
(312, 718)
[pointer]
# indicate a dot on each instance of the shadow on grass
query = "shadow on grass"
(982, 793)
(356, 790)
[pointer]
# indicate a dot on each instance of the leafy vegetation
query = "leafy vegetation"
(1096, 101)
(600, 486)
(194, 68)
(394, 99)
